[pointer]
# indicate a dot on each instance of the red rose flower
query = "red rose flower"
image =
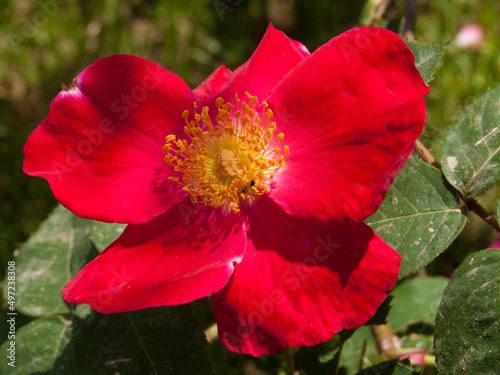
(255, 193)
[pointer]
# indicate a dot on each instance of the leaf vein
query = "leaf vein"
(416, 214)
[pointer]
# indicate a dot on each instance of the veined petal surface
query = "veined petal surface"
(184, 254)
(311, 279)
(351, 113)
(100, 148)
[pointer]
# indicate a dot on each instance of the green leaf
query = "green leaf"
(162, 340)
(48, 260)
(467, 338)
(416, 300)
(358, 350)
(103, 234)
(37, 346)
(471, 151)
(427, 58)
(419, 217)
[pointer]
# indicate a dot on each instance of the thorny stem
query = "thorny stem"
(386, 340)
(389, 346)
(426, 155)
(470, 203)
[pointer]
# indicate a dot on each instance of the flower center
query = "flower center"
(235, 158)
(228, 163)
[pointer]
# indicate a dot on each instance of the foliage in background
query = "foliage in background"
(47, 42)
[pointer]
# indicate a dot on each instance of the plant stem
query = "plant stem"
(470, 203)
(339, 354)
(410, 17)
(386, 340)
(426, 155)
(373, 12)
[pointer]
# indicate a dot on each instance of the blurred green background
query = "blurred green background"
(45, 43)
(48, 42)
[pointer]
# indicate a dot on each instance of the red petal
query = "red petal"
(275, 56)
(100, 148)
(347, 171)
(181, 255)
(350, 113)
(205, 92)
(301, 281)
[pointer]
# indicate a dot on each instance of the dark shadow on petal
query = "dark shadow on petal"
(166, 189)
(193, 225)
(338, 246)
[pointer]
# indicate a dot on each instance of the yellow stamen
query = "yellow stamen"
(234, 158)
